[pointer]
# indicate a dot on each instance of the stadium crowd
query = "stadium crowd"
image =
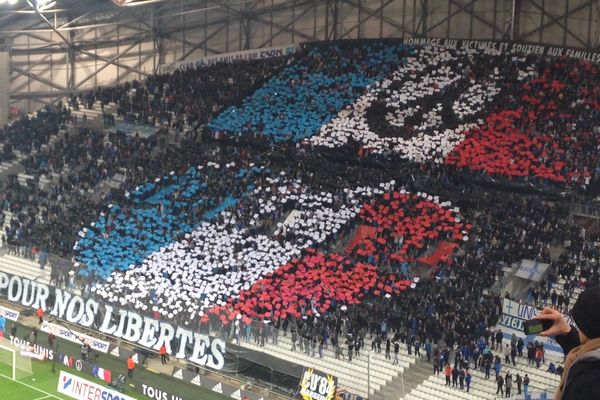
(28, 133)
(45, 216)
(336, 249)
(191, 96)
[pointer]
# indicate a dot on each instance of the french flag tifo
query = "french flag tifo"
(292, 272)
(439, 107)
(102, 373)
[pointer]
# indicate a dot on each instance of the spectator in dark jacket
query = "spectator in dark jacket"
(581, 376)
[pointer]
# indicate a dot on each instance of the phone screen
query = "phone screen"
(533, 327)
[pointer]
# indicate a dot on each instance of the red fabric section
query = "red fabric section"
(500, 147)
(363, 232)
(315, 282)
(443, 252)
(405, 224)
(543, 134)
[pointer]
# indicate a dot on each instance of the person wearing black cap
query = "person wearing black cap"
(581, 376)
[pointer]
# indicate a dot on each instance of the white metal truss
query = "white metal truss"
(74, 45)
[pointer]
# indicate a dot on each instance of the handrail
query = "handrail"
(585, 208)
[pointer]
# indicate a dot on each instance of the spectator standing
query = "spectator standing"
(428, 349)
(499, 337)
(130, 367)
(85, 350)
(163, 354)
(51, 339)
(530, 353)
(513, 355)
(488, 367)
(508, 383)
(468, 380)
(294, 337)
(417, 345)
(538, 356)
(520, 345)
(448, 373)
(396, 351)
(497, 366)
(33, 336)
(519, 382)
(388, 345)
(436, 361)
(350, 349)
(454, 377)
(500, 383)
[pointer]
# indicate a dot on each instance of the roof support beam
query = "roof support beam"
(557, 20)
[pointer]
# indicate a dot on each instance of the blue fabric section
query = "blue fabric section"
(156, 215)
(309, 93)
(228, 202)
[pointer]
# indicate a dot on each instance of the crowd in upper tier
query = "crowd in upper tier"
(521, 118)
(354, 209)
(189, 97)
(44, 216)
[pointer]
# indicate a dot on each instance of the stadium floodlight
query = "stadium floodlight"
(9, 2)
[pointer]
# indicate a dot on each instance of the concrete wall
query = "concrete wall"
(4, 86)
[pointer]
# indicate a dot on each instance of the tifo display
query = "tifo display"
(310, 206)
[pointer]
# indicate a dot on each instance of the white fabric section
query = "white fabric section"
(221, 258)
(431, 141)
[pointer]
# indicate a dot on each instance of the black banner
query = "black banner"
(193, 378)
(317, 385)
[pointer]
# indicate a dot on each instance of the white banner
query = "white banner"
(525, 311)
(79, 388)
(513, 317)
(9, 313)
(75, 337)
(245, 55)
(532, 270)
(507, 47)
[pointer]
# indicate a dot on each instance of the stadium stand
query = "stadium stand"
(294, 104)
(339, 250)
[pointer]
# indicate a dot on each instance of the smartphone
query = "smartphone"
(535, 326)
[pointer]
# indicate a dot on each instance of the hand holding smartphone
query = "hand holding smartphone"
(537, 326)
(548, 323)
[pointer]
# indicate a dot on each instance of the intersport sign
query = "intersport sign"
(9, 313)
(79, 388)
(75, 337)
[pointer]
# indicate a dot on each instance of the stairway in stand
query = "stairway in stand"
(404, 383)
(352, 376)
(14, 265)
